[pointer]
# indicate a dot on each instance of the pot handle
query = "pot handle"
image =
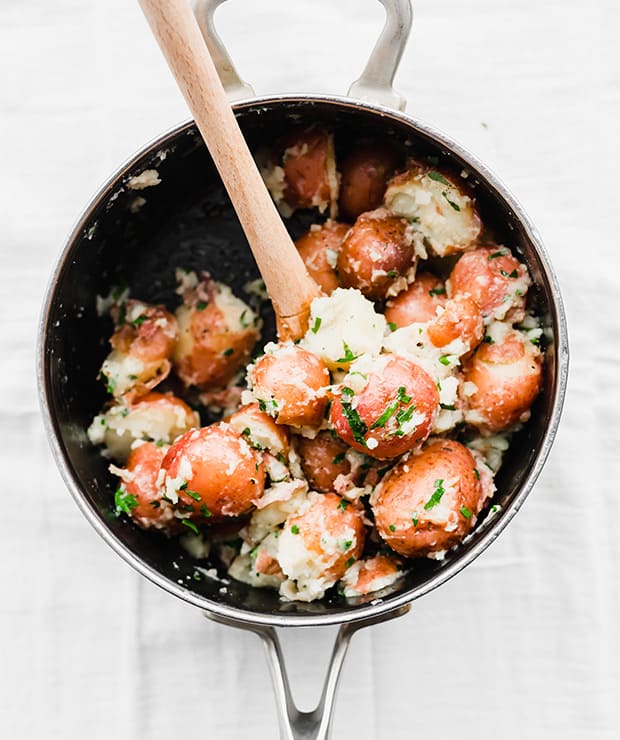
(294, 724)
(375, 82)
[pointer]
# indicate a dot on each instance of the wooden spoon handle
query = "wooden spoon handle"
(288, 284)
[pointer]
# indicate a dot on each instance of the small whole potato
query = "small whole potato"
(418, 303)
(139, 494)
(213, 473)
(217, 332)
(364, 173)
(494, 279)
(308, 161)
(319, 248)
(323, 460)
(290, 384)
(260, 430)
(429, 502)
(377, 255)
(505, 378)
(385, 406)
(460, 319)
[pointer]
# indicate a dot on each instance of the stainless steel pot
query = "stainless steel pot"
(142, 235)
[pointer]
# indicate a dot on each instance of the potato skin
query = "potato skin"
(508, 377)
(143, 464)
(314, 247)
(382, 392)
(307, 157)
(461, 319)
(376, 253)
(322, 460)
(209, 351)
(417, 304)
(488, 275)
(407, 493)
(294, 379)
(365, 172)
(226, 476)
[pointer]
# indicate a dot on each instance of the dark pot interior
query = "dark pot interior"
(187, 221)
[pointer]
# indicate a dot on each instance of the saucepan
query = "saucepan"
(166, 207)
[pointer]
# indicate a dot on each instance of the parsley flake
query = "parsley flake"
(348, 355)
(295, 529)
(201, 305)
(190, 525)
(437, 494)
(124, 502)
(342, 504)
(454, 205)
(228, 352)
(437, 291)
(337, 460)
(513, 274)
(465, 512)
(356, 424)
(392, 326)
(317, 325)
(437, 177)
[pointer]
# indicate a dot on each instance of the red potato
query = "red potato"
(291, 385)
(323, 460)
(391, 411)
(332, 532)
(319, 249)
(438, 206)
(214, 473)
(417, 304)
(429, 502)
(377, 255)
(217, 332)
(507, 378)
(310, 177)
(141, 348)
(260, 430)
(371, 574)
(494, 279)
(461, 319)
(364, 175)
(140, 495)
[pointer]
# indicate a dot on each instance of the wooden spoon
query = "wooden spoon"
(288, 284)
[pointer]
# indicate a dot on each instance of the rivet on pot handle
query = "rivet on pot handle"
(294, 724)
(375, 82)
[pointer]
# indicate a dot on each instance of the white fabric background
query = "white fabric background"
(523, 644)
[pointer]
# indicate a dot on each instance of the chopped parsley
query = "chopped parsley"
(295, 529)
(437, 291)
(190, 525)
(513, 274)
(477, 473)
(156, 504)
(342, 504)
(465, 512)
(124, 502)
(445, 359)
(109, 383)
(204, 511)
(317, 325)
(448, 406)
(393, 273)
(389, 412)
(488, 339)
(438, 177)
(454, 205)
(337, 460)
(348, 355)
(392, 528)
(437, 494)
(133, 377)
(346, 545)
(349, 562)
(495, 255)
(262, 405)
(139, 321)
(201, 305)
(246, 432)
(415, 519)
(356, 424)
(392, 326)
(228, 352)
(193, 494)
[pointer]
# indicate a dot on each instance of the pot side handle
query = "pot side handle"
(294, 724)
(375, 82)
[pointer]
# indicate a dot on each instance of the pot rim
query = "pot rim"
(363, 611)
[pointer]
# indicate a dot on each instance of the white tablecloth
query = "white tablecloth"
(523, 644)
